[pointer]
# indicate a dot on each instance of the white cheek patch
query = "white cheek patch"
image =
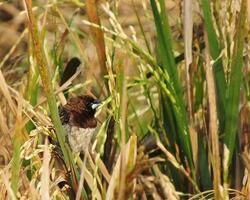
(95, 105)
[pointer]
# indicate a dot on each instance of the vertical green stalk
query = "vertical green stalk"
(48, 89)
(166, 59)
(233, 100)
(32, 92)
(218, 71)
(46, 80)
(16, 160)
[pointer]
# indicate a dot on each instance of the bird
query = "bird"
(78, 120)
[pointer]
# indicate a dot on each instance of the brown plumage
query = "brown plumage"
(78, 119)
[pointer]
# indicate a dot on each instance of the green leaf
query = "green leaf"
(178, 115)
(215, 51)
(233, 100)
(16, 162)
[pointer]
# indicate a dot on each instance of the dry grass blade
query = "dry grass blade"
(45, 185)
(209, 194)
(48, 89)
(246, 159)
(46, 80)
(3, 123)
(130, 157)
(75, 38)
(88, 176)
(97, 34)
(44, 100)
(188, 38)
(213, 128)
(103, 170)
(13, 48)
(5, 180)
(81, 182)
(246, 182)
(248, 8)
(175, 163)
(6, 93)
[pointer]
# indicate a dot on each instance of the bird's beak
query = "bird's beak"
(95, 104)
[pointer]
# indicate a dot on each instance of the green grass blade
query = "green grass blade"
(205, 176)
(233, 100)
(16, 162)
(167, 60)
(141, 27)
(32, 92)
(215, 51)
(48, 89)
(165, 43)
(17, 143)
(46, 80)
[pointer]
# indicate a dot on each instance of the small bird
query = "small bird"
(79, 122)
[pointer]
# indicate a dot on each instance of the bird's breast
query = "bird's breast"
(78, 138)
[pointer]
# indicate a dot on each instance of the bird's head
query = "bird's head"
(81, 110)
